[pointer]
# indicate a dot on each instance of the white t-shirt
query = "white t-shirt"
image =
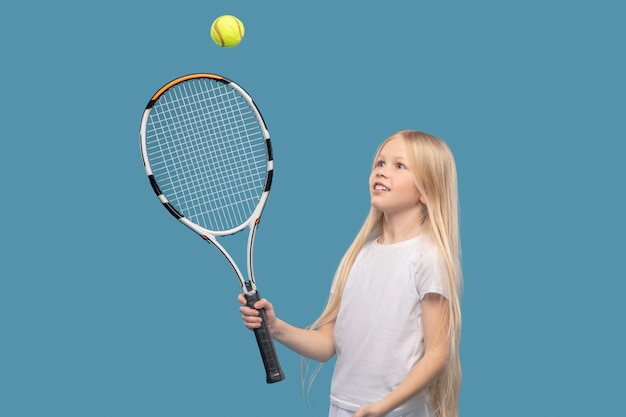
(379, 335)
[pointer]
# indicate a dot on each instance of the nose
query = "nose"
(380, 172)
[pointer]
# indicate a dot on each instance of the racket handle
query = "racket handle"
(273, 371)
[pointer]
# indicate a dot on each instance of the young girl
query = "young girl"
(393, 317)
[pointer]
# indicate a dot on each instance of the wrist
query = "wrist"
(276, 328)
(382, 407)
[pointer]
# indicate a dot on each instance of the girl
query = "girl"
(393, 317)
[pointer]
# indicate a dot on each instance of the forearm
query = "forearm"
(424, 372)
(314, 344)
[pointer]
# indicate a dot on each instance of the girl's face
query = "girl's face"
(392, 189)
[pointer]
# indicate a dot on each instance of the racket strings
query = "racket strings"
(208, 153)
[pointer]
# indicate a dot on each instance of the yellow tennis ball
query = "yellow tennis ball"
(227, 31)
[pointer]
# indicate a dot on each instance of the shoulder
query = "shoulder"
(425, 251)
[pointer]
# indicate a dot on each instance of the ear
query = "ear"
(423, 199)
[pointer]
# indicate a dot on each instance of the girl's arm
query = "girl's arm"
(316, 344)
(436, 355)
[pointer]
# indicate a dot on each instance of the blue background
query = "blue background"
(109, 307)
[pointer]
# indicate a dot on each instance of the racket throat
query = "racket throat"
(250, 288)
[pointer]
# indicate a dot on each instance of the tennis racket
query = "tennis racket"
(207, 153)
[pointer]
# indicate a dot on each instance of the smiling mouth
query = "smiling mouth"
(380, 187)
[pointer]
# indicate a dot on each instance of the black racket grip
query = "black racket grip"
(273, 372)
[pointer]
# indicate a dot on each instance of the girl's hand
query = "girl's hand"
(251, 317)
(369, 410)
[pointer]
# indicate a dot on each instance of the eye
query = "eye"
(380, 164)
(400, 166)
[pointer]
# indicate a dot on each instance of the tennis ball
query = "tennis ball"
(227, 31)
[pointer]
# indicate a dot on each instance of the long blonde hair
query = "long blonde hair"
(434, 169)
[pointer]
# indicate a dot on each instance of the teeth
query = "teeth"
(381, 187)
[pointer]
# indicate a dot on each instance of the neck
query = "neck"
(398, 228)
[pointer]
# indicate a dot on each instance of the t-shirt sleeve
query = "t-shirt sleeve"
(430, 274)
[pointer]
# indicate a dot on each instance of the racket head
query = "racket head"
(207, 153)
